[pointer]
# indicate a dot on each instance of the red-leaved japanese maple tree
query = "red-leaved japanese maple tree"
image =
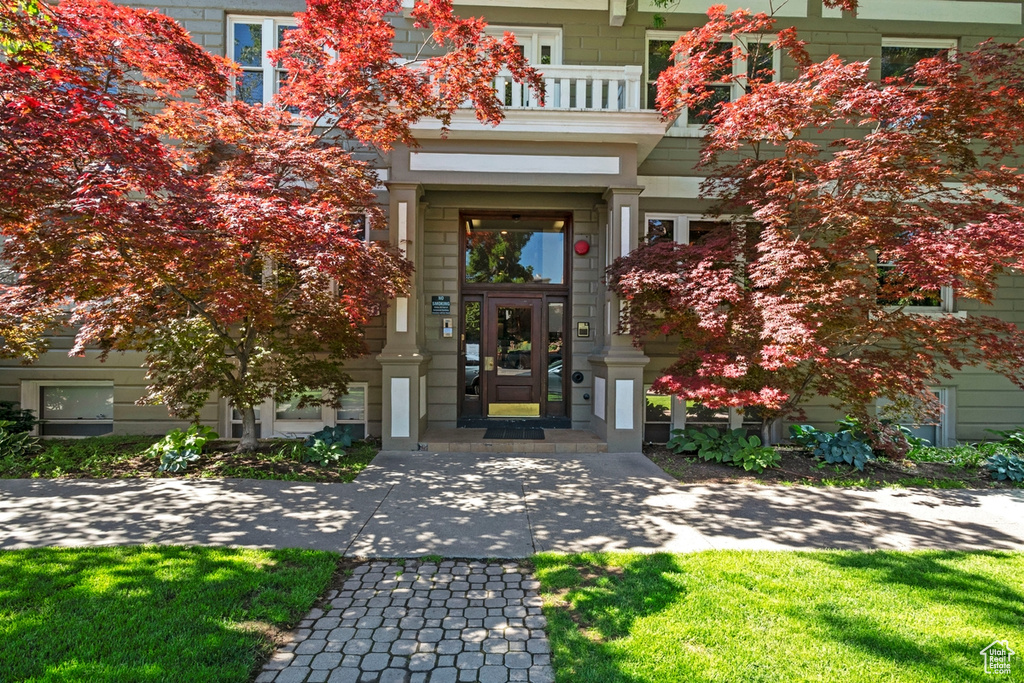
(145, 210)
(823, 176)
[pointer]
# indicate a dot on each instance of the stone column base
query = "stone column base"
(619, 399)
(404, 409)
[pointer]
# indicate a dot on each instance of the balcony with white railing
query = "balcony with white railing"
(577, 88)
(581, 104)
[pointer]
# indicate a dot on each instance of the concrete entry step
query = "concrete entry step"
(472, 441)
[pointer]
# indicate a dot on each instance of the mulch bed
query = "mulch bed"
(799, 467)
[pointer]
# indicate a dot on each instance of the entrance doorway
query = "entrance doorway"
(514, 360)
(514, 356)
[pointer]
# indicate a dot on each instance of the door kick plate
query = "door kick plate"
(513, 410)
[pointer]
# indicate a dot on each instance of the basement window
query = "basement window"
(71, 409)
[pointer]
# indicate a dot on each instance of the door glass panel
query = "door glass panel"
(515, 250)
(555, 342)
(472, 322)
(515, 344)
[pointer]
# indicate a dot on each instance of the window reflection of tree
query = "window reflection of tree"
(495, 257)
(514, 340)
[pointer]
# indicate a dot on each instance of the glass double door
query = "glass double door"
(513, 356)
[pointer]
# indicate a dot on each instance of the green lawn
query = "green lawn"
(782, 616)
(143, 614)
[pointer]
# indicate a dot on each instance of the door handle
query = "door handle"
(488, 363)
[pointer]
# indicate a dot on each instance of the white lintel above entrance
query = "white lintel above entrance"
(513, 163)
(645, 129)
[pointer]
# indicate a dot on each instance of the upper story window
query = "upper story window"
(763, 63)
(899, 55)
(249, 40)
(540, 45)
(913, 300)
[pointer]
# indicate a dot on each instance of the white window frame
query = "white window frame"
(367, 225)
(270, 24)
(230, 421)
(270, 427)
(947, 305)
(681, 127)
(936, 43)
(533, 38)
(681, 222)
(673, 412)
(292, 428)
(365, 422)
(30, 400)
(947, 420)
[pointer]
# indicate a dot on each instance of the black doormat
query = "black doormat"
(515, 423)
(519, 434)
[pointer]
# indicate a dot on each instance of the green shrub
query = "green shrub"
(20, 420)
(181, 447)
(1013, 439)
(731, 447)
(16, 443)
(327, 446)
(1006, 467)
(834, 447)
(964, 455)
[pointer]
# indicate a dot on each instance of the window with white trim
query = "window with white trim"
(657, 416)
(942, 301)
(236, 422)
(664, 413)
(682, 228)
(353, 410)
(249, 40)
(290, 410)
(541, 45)
(70, 408)
(761, 58)
(899, 55)
(939, 430)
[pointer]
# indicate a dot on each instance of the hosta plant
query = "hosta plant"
(1006, 467)
(327, 446)
(833, 447)
(731, 447)
(181, 447)
(14, 442)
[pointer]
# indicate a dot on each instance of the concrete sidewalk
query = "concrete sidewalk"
(496, 505)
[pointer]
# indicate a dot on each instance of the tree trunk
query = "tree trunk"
(248, 442)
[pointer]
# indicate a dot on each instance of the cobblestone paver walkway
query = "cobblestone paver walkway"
(422, 622)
